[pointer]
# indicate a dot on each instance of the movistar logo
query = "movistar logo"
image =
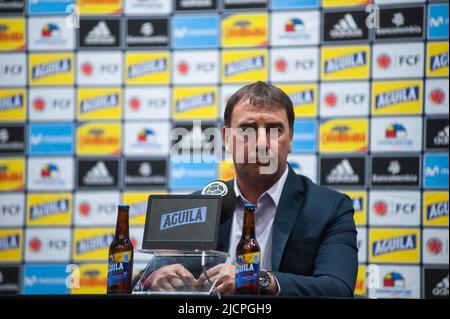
(395, 244)
(99, 102)
(386, 99)
(195, 102)
(94, 243)
(437, 210)
(51, 68)
(244, 65)
(345, 62)
(148, 67)
(50, 208)
(183, 217)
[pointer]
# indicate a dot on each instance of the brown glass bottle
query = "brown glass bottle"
(120, 260)
(248, 256)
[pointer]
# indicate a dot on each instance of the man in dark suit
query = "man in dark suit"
(306, 232)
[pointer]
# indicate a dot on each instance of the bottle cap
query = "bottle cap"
(251, 206)
(124, 207)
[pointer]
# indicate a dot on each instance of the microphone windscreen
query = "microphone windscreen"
(228, 194)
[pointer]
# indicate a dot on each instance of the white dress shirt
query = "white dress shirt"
(266, 208)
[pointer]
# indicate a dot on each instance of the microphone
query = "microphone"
(228, 194)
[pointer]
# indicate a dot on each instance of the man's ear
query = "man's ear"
(226, 138)
(291, 138)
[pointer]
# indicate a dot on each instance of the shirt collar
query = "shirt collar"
(274, 191)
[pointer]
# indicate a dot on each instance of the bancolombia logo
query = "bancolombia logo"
(184, 217)
(395, 244)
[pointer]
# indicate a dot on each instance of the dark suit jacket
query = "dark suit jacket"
(314, 251)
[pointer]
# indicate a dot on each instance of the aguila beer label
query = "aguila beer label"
(119, 267)
(247, 269)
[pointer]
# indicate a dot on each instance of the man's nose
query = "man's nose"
(262, 140)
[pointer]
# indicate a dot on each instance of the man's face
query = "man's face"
(263, 122)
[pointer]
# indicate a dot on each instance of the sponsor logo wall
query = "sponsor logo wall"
(86, 115)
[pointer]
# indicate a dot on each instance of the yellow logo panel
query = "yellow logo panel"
(437, 59)
(360, 286)
(12, 34)
(244, 66)
(11, 243)
(359, 199)
(345, 63)
(195, 103)
(303, 97)
(99, 139)
(99, 104)
(92, 244)
(343, 136)
(100, 7)
(93, 279)
(51, 69)
(244, 30)
(394, 245)
(344, 3)
(12, 174)
(138, 205)
(435, 209)
(397, 97)
(226, 170)
(147, 68)
(13, 105)
(49, 209)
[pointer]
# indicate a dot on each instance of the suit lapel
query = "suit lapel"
(287, 211)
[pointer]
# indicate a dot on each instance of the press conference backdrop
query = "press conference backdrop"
(86, 113)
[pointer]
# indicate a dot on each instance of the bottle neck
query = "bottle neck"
(122, 227)
(248, 226)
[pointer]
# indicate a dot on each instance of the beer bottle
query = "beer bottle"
(248, 256)
(120, 260)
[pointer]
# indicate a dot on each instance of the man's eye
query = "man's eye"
(245, 130)
(278, 129)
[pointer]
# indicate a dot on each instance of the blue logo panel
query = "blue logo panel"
(294, 4)
(48, 279)
(438, 21)
(194, 176)
(305, 136)
(49, 6)
(195, 31)
(49, 139)
(435, 171)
